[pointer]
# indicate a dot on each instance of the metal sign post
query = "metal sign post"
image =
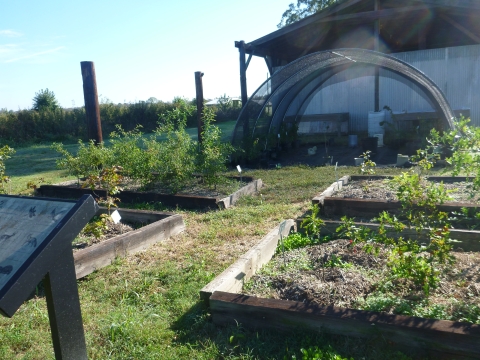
(36, 243)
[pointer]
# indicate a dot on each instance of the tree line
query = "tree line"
(48, 121)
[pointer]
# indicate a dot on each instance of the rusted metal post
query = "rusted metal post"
(199, 89)
(92, 109)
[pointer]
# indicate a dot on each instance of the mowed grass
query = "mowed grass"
(147, 306)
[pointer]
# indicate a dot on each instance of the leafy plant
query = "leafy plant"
(97, 226)
(213, 154)
(336, 261)
(109, 179)
(295, 241)
(408, 259)
(88, 161)
(316, 353)
(6, 152)
(173, 159)
(312, 222)
(127, 151)
(368, 166)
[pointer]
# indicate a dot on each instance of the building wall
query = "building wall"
(455, 70)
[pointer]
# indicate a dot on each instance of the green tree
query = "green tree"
(45, 100)
(302, 9)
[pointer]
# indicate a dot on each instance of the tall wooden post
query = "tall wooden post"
(92, 109)
(243, 86)
(377, 48)
(243, 72)
(199, 90)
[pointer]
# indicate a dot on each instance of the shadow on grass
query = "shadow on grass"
(239, 340)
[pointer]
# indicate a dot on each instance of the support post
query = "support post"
(243, 86)
(243, 72)
(377, 48)
(199, 90)
(63, 306)
(92, 109)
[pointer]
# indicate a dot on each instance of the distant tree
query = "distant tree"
(45, 100)
(152, 100)
(303, 9)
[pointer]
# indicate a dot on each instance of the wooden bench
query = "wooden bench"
(324, 123)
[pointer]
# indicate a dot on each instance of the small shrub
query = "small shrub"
(5, 153)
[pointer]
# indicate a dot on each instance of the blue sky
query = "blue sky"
(140, 49)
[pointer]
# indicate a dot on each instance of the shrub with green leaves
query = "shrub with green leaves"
(312, 223)
(295, 241)
(213, 154)
(128, 151)
(88, 161)
(408, 259)
(5, 153)
(173, 160)
(460, 147)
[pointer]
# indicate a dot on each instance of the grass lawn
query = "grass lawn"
(147, 306)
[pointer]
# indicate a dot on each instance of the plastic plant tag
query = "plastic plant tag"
(239, 169)
(116, 217)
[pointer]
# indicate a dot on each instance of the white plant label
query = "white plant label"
(116, 217)
(239, 169)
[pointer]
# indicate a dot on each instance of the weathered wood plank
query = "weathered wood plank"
(319, 199)
(466, 240)
(102, 254)
(233, 278)
(248, 189)
(445, 337)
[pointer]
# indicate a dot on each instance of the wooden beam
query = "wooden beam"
(304, 22)
(463, 4)
(365, 16)
(445, 339)
(458, 26)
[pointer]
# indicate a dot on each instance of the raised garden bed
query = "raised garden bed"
(73, 191)
(368, 208)
(160, 226)
(439, 338)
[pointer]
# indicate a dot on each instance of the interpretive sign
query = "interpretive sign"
(35, 244)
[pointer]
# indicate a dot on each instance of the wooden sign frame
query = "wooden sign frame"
(36, 237)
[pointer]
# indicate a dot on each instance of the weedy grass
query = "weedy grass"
(147, 306)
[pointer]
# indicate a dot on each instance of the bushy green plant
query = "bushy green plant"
(109, 179)
(88, 161)
(295, 241)
(316, 353)
(97, 227)
(368, 166)
(129, 153)
(5, 153)
(213, 154)
(312, 223)
(459, 146)
(173, 159)
(408, 259)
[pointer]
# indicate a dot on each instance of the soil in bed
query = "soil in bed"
(84, 239)
(340, 274)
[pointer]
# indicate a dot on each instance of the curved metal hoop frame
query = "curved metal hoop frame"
(266, 108)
